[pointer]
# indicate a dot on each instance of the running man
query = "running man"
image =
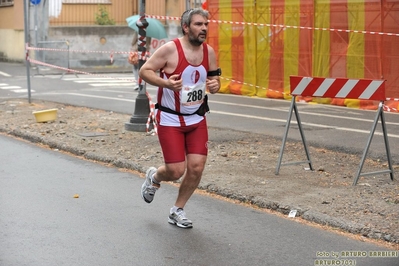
(187, 69)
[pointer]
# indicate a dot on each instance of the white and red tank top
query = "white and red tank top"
(190, 97)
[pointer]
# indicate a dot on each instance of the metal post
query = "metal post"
(287, 127)
(305, 146)
(139, 118)
(35, 28)
(294, 108)
(26, 52)
(380, 114)
(387, 149)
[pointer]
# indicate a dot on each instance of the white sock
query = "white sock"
(174, 209)
(154, 180)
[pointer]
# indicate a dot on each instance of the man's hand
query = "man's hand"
(212, 85)
(133, 58)
(175, 82)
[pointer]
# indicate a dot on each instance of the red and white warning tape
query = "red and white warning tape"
(283, 26)
(390, 109)
(74, 51)
(76, 71)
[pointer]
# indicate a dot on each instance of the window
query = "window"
(6, 3)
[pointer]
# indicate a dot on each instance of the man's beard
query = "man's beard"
(194, 41)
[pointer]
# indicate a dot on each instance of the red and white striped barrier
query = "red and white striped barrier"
(362, 89)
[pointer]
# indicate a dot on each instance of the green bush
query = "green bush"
(102, 17)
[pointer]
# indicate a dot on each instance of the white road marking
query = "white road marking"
(304, 123)
(104, 81)
(5, 74)
(100, 97)
(112, 84)
(10, 87)
(16, 89)
(22, 91)
(99, 78)
(301, 112)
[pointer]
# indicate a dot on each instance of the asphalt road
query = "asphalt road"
(324, 125)
(42, 223)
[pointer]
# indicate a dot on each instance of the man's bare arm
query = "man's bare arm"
(212, 82)
(156, 62)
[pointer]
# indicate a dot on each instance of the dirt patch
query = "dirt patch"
(241, 166)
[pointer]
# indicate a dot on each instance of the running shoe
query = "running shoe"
(179, 219)
(149, 188)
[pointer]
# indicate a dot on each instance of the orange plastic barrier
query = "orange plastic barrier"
(260, 44)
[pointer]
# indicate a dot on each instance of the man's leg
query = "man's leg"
(191, 179)
(172, 143)
(172, 140)
(196, 144)
(170, 172)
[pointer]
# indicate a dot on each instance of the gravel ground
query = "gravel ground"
(241, 166)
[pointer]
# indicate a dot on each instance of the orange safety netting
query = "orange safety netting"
(260, 44)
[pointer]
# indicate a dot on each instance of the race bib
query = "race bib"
(192, 95)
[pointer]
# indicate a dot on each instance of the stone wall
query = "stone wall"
(79, 47)
(88, 46)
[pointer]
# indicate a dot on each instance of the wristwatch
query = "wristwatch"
(216, 72)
